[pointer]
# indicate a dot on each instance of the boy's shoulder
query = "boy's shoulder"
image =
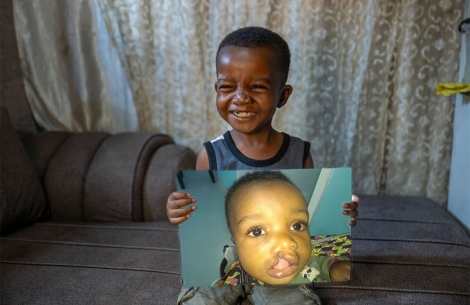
(223, 153)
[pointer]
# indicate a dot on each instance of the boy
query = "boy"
(267, 216)
(252, 66)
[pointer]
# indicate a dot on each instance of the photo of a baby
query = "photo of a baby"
(267, 216)
(266, 227)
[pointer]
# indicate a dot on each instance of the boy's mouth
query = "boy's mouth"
(243, 114)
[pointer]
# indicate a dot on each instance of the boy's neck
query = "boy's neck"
(261, 145)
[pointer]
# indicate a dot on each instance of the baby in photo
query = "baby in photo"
(267, 217)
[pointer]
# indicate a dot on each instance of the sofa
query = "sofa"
(83, 221)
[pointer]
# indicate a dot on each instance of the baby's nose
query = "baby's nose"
(285, 242)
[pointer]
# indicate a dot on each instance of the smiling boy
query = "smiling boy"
(252, 66)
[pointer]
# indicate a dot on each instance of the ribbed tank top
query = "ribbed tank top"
(224, 155)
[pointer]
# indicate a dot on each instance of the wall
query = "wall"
(459, 185)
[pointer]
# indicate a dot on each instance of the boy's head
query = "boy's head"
(267, 217)
(252, 68)
(258, 37)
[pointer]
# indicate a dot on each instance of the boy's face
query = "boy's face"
(270, 231)
(249, 88)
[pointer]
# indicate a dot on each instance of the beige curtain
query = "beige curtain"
(363, 72)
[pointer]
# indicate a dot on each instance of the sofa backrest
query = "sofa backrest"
(96, 176)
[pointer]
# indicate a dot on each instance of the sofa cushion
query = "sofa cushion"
(160, 177)
(66, 174)
(405, 250)
(91, 263)
(22, 199)
(119, 165)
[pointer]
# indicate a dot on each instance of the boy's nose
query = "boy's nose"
(241, 98)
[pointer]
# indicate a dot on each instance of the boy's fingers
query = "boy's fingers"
(176, 204)
(181, 212)
(178, 195)
(352, 222)
(178, 221)
(350, 205)
(352, 213)
(355, 198)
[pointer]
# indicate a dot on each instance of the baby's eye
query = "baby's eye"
(299, 226)
(256, 232)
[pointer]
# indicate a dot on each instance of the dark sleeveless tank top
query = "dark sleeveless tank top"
(224, 155)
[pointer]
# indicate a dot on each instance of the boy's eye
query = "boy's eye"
(259, 87)
(225, 87)
(255, 232)
(299, 226)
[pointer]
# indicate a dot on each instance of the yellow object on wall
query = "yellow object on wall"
(452, 88)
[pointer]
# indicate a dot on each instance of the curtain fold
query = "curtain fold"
(363, 73)
(71, 80)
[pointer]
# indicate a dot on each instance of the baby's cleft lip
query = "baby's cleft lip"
(282, 269)
(284, 266)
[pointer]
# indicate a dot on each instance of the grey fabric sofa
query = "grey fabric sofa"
(85, 223)
(83, 217)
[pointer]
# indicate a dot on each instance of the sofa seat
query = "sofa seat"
(91, 263)
(406, 250)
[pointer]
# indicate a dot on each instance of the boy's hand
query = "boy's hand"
(340, 271)
(175, 210)
(350, 209)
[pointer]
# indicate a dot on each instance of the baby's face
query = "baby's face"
(270, 231)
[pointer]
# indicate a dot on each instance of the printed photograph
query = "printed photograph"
(266, 227)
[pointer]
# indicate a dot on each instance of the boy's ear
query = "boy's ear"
(286, 92)
(232, 240)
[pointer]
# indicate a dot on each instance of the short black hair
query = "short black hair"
(247, 179)
(258, 37)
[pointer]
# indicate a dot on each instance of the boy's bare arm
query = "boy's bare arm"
(202, 163)
(308, 163)
(175, 205)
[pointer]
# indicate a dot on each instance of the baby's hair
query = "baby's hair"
(258, 37)
(248, 179)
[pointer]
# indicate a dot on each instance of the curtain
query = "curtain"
(363, 72)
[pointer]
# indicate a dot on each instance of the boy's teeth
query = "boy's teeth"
(244, 114)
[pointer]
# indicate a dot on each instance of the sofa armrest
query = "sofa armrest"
(96, 176)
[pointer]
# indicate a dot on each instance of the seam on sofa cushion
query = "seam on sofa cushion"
(402, 220)
(408, 264)
(87, 244)
(428, 241)
(97, 148)
(330, 286)
(89, 266)
(56, 166)
(137, 199)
